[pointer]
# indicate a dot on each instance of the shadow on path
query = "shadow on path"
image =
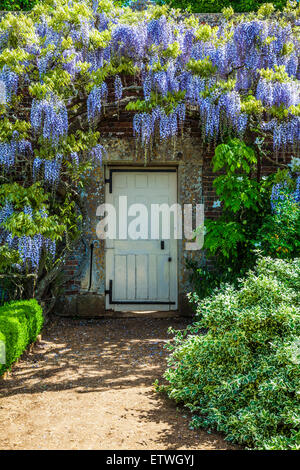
(99, 373)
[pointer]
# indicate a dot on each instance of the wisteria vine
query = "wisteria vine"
(63, 67)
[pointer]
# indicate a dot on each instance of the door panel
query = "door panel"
(131, 277)
(120, 277)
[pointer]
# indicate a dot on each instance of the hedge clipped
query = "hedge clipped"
(243, 377)
(20, 324)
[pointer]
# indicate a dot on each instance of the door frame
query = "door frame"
(125, 306)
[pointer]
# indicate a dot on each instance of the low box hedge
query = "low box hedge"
(20, 324)
(216, 6)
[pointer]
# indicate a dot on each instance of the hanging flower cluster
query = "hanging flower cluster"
(52, 169)
(145, 124)
(171, 56)
(118, 88)
(97, 153)
(281, 192)
(6, 211)
(7, 153)
(29, 247)
(9, 80)
(284, 132)
(129, 40)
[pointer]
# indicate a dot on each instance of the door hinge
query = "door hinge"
(109, 181)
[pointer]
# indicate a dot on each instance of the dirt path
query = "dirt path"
(88, 385)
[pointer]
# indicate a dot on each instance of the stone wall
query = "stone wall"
(84, 296)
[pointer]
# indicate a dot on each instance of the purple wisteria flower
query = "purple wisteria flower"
(159, 32)
(129, 40)
(75, 158)
(96, 98)
(297, 191)
(147, 86)
(28, 211)
(37, 163)
(143, 127)
(274, 93)
(277, 195)
(50, 246)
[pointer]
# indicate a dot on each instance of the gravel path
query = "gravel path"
(88, 385)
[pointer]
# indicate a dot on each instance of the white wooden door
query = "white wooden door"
(141, 273)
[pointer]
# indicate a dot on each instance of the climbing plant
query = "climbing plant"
(63, 68)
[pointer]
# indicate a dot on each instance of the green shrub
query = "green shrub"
(243, 377)
(2, 349)
(245, 202)
(196, 6)
(20, 324)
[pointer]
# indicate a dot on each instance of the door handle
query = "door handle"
(162, 245)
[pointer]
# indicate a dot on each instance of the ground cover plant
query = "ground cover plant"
(242, 377)
(258, 213)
